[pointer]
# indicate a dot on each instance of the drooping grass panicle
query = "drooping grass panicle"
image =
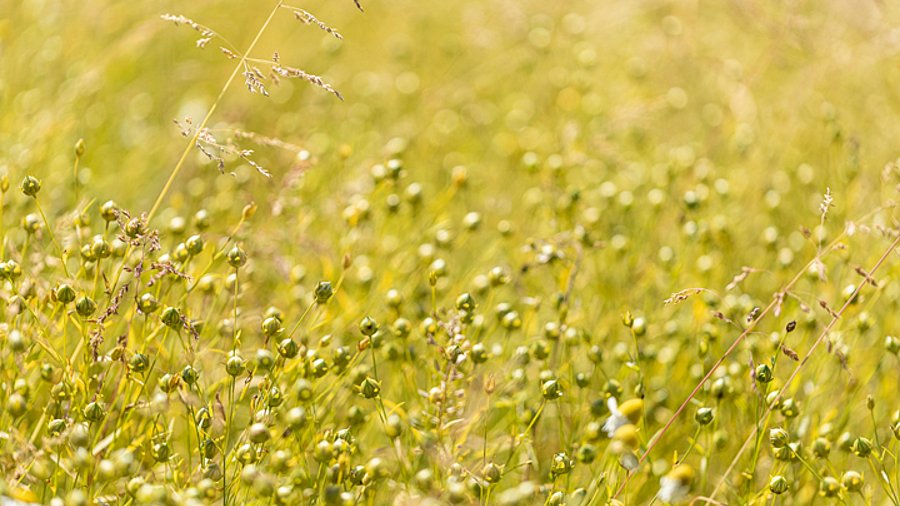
(207, 34)
(295, 73)
(307, 18)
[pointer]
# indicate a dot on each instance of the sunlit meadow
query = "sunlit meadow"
(588, 252)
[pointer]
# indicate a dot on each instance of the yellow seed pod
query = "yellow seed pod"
(632, 409)
(683, 473)
(627, 436)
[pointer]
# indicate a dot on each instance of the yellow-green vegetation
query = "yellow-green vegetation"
(472, 252)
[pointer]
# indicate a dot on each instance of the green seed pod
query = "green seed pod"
(109, 211)
(779, 485)
(65, 293)
(17, 405)
(393, 426)
(595, 354)
(100, 248)
(471, 221)
(368, 326)
(789, 408)
(234, 366)
(369, 388)
(168, 382)
(511, 321)
(763, 373)
(134, 485)
(722, 388)
(134, 228)
(498, 276)
(639, 326)
(94, 412)
(85, 306)
(522, 355)
(17, 341)
(139, 363)
(561, 464)
(551, 390)
(784, 454)
(201, 219)
(246, 454)
(32, 223)
(376, 469)
(21, 386)
(86, 253)
(413, 193)
(552, 331)
(773, 400)
(288, 348)
(190, 375)
(203, 418)
(546, 375)
(148, 303)
(12, 270)
(341, 357)
(829, 487)
(892, 345)
(319, 368)
(424, 479)
(479, 353)
(296, 418)
(852, 481)
(208, 448)
(704, 416)
(323, 292)
(80, 435)
(778, 437)
(60, 391)
(48, 372)
(587, 453)
(194, 245)
(160, 451)
(401, 327)
(181, 253)
(491, 473)
(862, 447)
(271, 326)
(236, 257)
(31, 186)
(56, 426)
(79, 148)
(393, 298)
(540, 349)
(845, 441)
(720, 439)
(259, 433)
(465, 303)
(821, 447)
(177, 225)
(171, 317)
(323, 452)
(613, 388)
(264, 359)
(582, 380)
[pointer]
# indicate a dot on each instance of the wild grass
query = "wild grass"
(538, 253)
